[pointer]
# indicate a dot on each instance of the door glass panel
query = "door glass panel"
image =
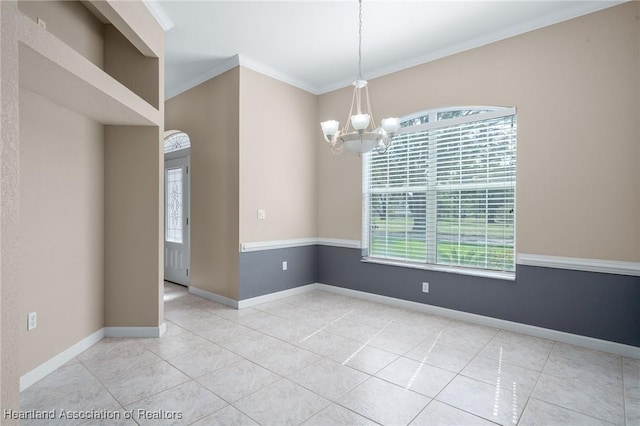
(174, 220)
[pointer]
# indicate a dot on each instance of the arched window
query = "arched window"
(175, 140)
(443, 195)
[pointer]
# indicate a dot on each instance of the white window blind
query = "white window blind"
(444, 192)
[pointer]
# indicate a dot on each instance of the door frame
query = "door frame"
(175, 155)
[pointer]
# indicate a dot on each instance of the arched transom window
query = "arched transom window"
(175, 140)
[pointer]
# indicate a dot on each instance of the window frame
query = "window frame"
(480, 113)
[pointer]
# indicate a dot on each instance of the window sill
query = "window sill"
(506, 276)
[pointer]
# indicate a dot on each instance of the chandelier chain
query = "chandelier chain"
(360, 40)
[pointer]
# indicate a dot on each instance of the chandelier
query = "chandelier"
(360, 133)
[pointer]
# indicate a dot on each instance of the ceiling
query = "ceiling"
(314, 44)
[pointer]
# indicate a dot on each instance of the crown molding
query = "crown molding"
(158, 12)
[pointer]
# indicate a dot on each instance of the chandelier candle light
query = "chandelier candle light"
(364, 136)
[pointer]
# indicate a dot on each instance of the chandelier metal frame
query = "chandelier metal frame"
(360, 135)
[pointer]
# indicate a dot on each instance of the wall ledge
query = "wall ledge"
(277, 244)
(299, 242)
(527, 259)
(580, 264)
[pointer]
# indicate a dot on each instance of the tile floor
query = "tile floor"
(325, 359)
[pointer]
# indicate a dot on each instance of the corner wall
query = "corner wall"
(577, 92)
(576, 87)
(62, 227)
(278, 175)
(9, 210)
(132, 189)
(209, 114)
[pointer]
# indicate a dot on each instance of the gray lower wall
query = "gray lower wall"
(261, 271)
(603, 306)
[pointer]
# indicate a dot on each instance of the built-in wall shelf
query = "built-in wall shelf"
(52, 69)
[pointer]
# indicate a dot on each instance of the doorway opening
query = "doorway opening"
(177, 188)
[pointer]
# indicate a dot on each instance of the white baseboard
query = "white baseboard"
(68, 354)
(573, 339)
(213, 296)
(252, 301)
(135, 331)
(59, 360)
(245, 303)
(531, 330)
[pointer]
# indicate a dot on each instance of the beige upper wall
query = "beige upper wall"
(277, 159)
(209, 114)
(62, 228)
(576, 86)
(132, 205)
(125, 63)
(72, 23)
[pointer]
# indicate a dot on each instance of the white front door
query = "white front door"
(176, 220)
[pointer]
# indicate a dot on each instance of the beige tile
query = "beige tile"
(367, 359)
(223, 331)
(328, 378)
(250, 344)
(376, 318)
(285, 358)
(466, 336)
(334, 414)
(181, 405)
(71, 388)
(581, 364)
(632, 411)
(518, 349)
(259, 320)
(288, 330)
(493, 371)
(176, 344)
(384, 402)
(490, 402)
(234, 314)
(137, 382)
(228, 416)
(599, 400)
(416, 376)
(540, 413)
(353, 330)
(441, 356)
(281, 403)
(324, 343)
(398, 338)
(439, 414)
(116, 353)
(238, 380)
(203, 360)
(631, 374)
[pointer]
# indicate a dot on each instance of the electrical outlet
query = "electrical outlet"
(262, 214)
(32, 321)
(425, 287)
(284, 265)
